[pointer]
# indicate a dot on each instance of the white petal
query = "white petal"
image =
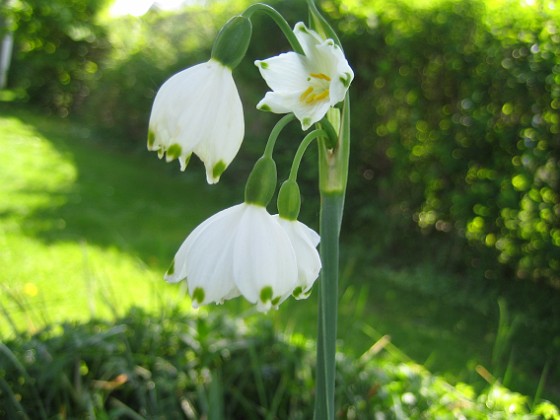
(264, 258)
(210, 260)
(279, 102)
(307, 38)
(304, 240)
(179, 271)
(284, 72)
(175, 106)
(309, 115)
(226, 128)
(200, 111)
(284, 102)
(337, 92)
(332, 58)
(205, 258)
(312, 236)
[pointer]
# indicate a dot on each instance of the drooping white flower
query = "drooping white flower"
(198, 110)
(307, 85)
(242, 250)
(305, 241)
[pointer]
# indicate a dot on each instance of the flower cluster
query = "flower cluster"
(244, 250)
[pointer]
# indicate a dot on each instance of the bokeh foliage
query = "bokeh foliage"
(456, 127)
(58, 48)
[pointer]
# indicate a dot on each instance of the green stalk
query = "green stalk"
(333, 175)
(331, 216)
(271, 142)
(280, 22)
(301, 150)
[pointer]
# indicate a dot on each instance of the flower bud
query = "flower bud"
(289, 200)
(261, 184)
(232, 41)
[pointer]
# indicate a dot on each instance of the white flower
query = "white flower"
(306, 85)
(305, 241)
(198, 111)
(242, 250)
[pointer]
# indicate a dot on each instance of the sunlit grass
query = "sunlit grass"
(85, 231)
(46, 283)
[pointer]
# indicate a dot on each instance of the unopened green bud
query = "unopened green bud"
(289, 200)
(232, 41)
(261, 184)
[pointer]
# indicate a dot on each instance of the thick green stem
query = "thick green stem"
(331, 215)
(333, 174)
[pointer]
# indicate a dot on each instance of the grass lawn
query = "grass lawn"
(87, 230)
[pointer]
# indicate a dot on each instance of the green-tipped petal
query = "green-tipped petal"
(198, 111)
(304, 241)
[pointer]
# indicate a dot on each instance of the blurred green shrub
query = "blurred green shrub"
(58, 48)
(456, 128)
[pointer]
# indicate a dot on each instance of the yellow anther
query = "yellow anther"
(316, 98)
(310, 99)
(321, 76)
(305, 94)
(324, 94)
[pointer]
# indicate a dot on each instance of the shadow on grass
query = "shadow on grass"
(477, 335)
(127, 200)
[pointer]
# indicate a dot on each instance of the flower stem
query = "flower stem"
(283, 122)
(331, 216)
(279, 20)
(333, 174)
(301, 150)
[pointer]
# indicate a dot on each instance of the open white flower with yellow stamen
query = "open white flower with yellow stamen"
(241, 250)
(307, 85)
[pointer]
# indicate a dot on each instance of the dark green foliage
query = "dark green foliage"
(58, 49)
(178, 366)
(456, 130)
(432, 317)
(157, 367)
